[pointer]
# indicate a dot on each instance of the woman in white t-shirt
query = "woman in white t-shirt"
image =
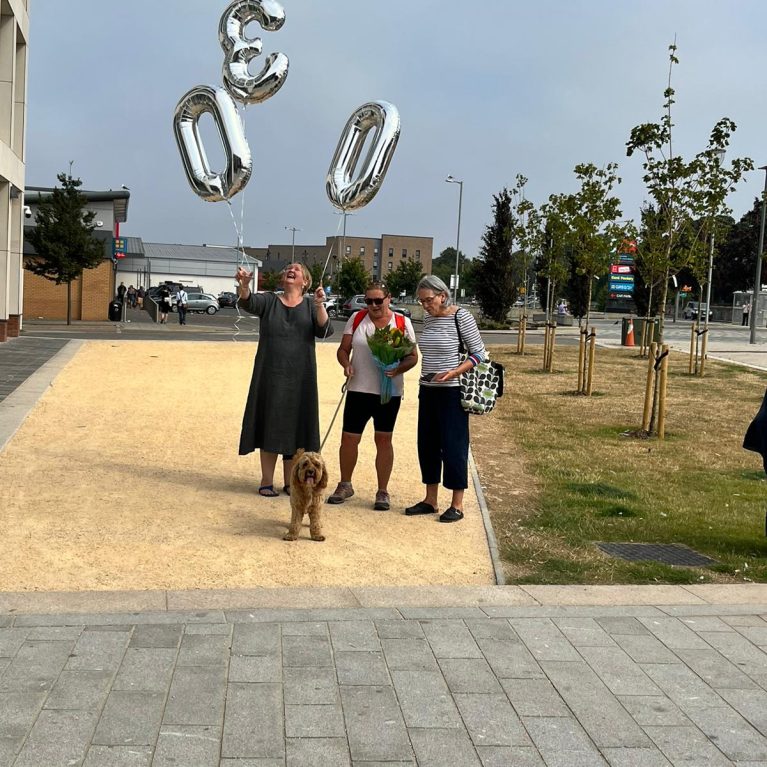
(363, 392)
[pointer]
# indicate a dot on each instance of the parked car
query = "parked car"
(355, 303)
(227, 298)
(202, 302)
(331, 307)
(691, 311)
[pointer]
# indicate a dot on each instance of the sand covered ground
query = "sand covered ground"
(126, 476)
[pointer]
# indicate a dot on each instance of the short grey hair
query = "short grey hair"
(435, 284)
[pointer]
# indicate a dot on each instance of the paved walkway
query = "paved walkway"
(429, 677)
(555, 676)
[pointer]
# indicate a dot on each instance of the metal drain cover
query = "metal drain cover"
(666, 553)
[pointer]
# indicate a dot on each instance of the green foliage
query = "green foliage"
(552, 264)
(269, 280)
(352, 278)
(593, 217)
(405, 277)
(734, 267)
(687, 196)
(496, 282)
(443, 266)
(63, 235)
(315, 269)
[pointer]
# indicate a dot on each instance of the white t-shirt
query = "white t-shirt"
(366, 377)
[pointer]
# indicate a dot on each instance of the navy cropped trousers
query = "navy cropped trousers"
(443, 437)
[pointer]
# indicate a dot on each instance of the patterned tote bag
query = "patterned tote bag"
(482, 385)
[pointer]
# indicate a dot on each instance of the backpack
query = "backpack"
(399, 320)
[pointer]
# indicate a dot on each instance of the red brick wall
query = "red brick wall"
(90, 296)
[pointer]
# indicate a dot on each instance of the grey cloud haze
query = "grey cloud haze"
(485, 90)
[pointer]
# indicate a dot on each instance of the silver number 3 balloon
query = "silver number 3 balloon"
(346, 190)
(240, 50)
(202, 99)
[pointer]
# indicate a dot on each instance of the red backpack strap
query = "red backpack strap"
(358, 317)
(399, 320)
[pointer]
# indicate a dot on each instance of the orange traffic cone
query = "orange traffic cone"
(630, 333)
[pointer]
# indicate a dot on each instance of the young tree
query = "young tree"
(63, 237)
(405, 277)
(593, 218)
(496, 282)
(687, 195)
(352, 277)
(553, 262)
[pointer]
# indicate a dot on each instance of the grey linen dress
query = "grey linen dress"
(282, 411)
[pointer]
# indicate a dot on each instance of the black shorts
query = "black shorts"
(361, 407)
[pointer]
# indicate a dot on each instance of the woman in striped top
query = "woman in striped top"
(443, 425)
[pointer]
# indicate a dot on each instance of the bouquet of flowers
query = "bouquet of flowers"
(388, 346)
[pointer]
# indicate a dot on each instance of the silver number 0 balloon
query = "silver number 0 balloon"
(240, 50)
(212, 187)
(346, 190)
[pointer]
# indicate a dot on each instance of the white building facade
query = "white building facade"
(14, 36)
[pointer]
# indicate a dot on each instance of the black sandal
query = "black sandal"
(267, 491)
(451, 515)
(420, 508)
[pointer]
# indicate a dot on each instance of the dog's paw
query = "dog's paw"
(318, 537)
(289, 537)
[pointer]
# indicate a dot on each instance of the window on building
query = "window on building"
(362, 250)
(348, 250)
(391, 266)
(418, 255)
(375, 265)
(391, 252)
(404, 252)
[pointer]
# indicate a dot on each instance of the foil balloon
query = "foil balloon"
(349, 187)
(241, 50)
(213, 187)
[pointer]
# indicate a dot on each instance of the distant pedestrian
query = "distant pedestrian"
(182, 299)
(121, 291)
(131, 295)
(140, 293)
(746, 312)
(164, 303)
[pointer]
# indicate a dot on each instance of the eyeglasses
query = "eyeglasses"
(376, 301)
(425, 301)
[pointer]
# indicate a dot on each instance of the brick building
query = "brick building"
(91, 293)
(380, 255)
(14, 33)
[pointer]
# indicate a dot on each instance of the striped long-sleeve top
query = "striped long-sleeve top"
(439, 344)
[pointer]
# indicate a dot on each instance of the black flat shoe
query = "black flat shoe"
(451, 515)
(420, 508)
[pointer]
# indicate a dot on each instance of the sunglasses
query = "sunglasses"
(376, 301)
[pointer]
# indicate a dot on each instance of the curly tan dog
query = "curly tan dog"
(308, 479)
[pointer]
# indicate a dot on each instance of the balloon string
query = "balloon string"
(243, 261)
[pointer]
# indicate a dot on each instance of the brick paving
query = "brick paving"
(474, 686)
(20, 357)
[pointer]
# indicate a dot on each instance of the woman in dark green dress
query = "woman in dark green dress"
(282, 411)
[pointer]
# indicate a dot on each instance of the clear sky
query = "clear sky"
(485, 90)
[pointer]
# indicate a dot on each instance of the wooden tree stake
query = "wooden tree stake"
(649, 387)
(662, 394)
(592, 352)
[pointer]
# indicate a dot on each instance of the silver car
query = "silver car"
(202, 302)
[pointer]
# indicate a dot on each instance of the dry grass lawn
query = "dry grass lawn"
(558, 475)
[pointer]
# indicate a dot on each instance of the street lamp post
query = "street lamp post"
(451, 180)
(293, 243)
(758, 274)
(719, 155)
